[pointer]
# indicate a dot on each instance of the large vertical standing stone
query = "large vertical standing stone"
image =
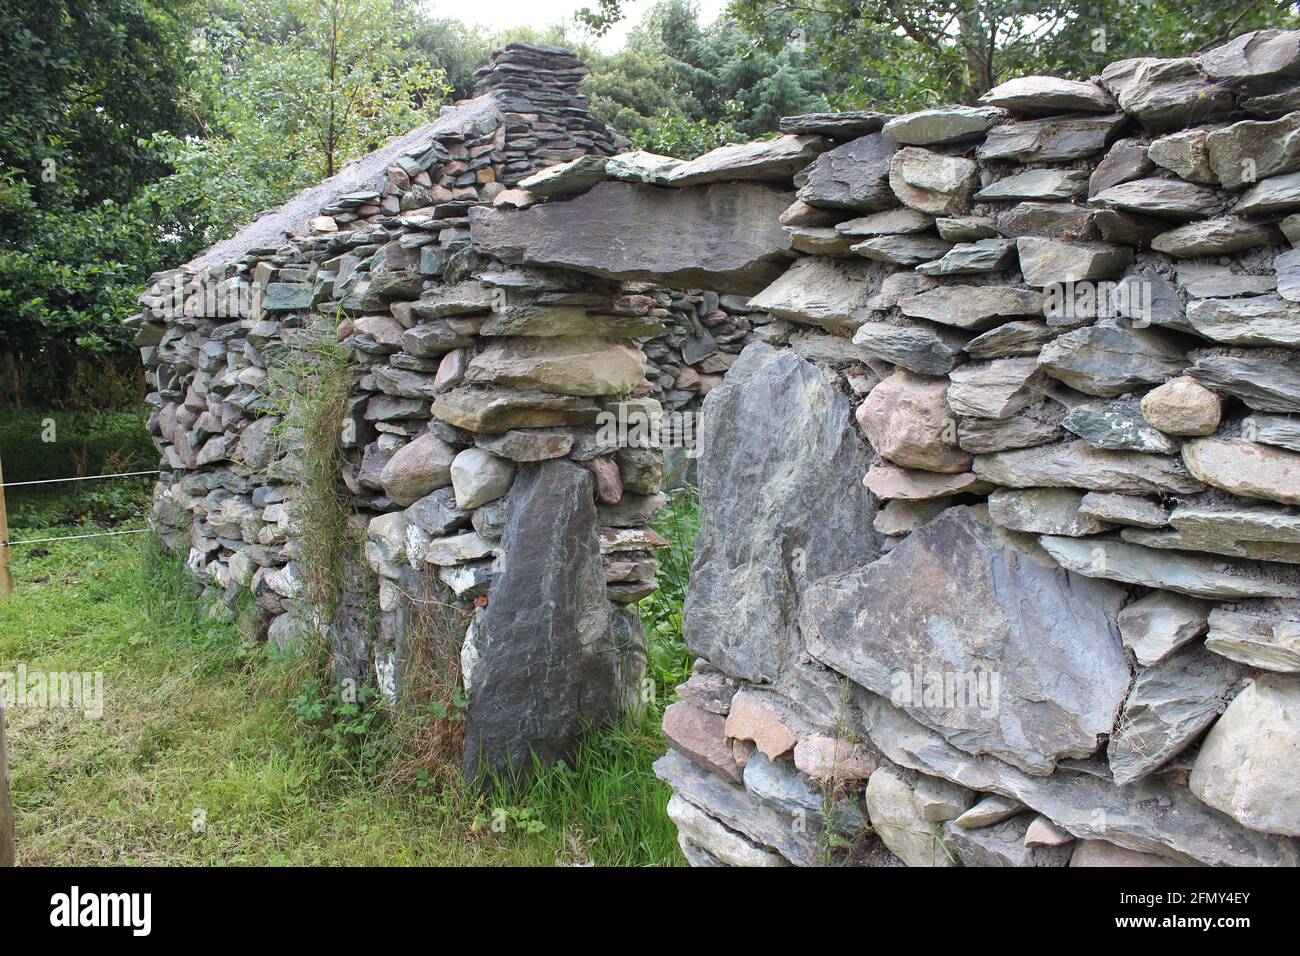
(781, 505)
(545, 643)
(352, 632)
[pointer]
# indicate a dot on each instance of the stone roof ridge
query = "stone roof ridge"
(366, 173)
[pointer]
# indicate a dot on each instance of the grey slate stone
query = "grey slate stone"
(547, 659)
(1109, 359)
(972, 307)
(1151, 815)
(1048, 96)
(1077, 464)
(1056, 139)
(566, 179)
(725, 237)
(1020, 337)
(1254, 55)
(882, 623)
(1276, 430)
(985, 255)
(780, 473)
(436, 514)
(853, 176)
(907, 250)
(1002, 844)
(1125, 161)
(1263, 379)
(1266, 636)
(1262, 320)
(1119, 426)
(1047, 220)
(1037, 184)
(1155, 626)
(1213, 578)
(1169, 705)
(1168, 94)
(847, 125)
(773, 160)
(887, 223)
(824, 292)
(738, 809)
(918, 346)
(1043, 511)
(1214, 237)
(942, 124)
(1275, 194)
(1036, 425)
(1125, 509)
(1171, 199)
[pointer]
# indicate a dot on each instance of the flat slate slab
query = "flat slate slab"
(849, 125)
(725, 237)
(769, 160)
(1168, 707)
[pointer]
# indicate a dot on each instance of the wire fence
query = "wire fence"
(6, 542)
(69, 537)
(59, 481)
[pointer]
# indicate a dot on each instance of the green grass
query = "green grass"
(38, 443)
(199, 725)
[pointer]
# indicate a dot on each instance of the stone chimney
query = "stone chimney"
(547, 118)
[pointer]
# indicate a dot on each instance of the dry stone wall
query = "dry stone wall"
(999, 479)
(1004, 571)
(473, 459)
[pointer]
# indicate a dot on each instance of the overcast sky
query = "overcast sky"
(495, 14)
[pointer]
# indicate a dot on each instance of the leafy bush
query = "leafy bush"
(672, 134)
(669, 662)
(344, 721)
(109, 504)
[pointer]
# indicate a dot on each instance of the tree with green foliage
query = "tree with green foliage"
(284, 92)
(682, 88)
(138, 132)
(86, 83)
(908, 54)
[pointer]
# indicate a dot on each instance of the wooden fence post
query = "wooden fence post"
(6, 579)
(6, 804)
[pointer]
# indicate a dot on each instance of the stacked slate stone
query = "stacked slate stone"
(704, 338)
(1059, 626)
(546, 117)
(471, 424)
(227, 494)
